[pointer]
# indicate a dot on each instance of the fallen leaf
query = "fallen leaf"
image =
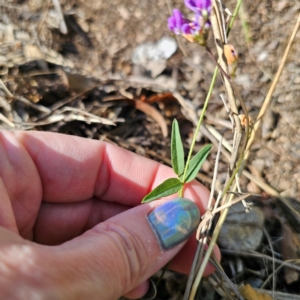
(166, 97)
(148, 110)
(77, 82)
(250, 294)
(154, 114)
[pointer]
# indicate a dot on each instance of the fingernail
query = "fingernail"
(174, 221)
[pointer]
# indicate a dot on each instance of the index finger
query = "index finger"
(76, 169)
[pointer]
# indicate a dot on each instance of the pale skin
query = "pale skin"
(71, 222)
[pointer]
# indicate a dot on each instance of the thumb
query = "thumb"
(121, 253)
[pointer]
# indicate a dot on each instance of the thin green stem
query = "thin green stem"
(245, 25)
(236, 11)
(180, 193)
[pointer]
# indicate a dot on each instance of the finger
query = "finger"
(7, 218)
(139, 291)
(57, 223)
(21, 181)
(123, 252)
(77, 169)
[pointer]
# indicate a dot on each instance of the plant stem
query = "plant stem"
(237, 8)
(198, 126)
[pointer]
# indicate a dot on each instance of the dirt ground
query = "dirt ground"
(85, 83)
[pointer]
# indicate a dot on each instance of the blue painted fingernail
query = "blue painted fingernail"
(174, 221)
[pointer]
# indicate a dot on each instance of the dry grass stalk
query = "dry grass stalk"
(218, 26)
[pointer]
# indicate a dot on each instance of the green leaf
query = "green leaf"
(196, 163)
(177, 153)
(167, 188)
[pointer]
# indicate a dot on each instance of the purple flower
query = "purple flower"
(198, 5)
(201, 22)
(176, 21)
(195, 30)
(187, 29)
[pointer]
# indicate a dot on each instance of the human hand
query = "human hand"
(71, 223)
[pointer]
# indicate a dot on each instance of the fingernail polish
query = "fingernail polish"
(174, 221)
